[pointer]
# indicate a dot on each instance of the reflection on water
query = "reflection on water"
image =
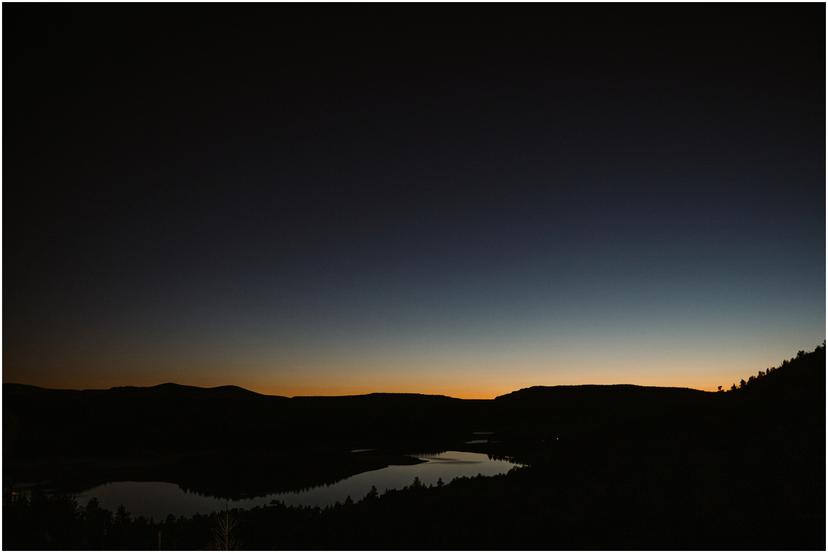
(158, 499)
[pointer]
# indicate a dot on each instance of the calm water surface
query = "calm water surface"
(158, 499)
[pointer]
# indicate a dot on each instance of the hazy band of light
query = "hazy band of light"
(481, 374)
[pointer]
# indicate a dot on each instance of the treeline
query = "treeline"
(663, 498)
(801, 365)
(39, 521)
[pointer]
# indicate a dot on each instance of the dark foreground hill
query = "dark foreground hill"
(258, 444)
(609, 467)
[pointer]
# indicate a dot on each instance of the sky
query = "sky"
(463, 200)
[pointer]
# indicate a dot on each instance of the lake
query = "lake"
(158, 499)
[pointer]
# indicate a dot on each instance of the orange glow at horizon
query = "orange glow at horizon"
(455, 373)
(490, 389)
(458, 392)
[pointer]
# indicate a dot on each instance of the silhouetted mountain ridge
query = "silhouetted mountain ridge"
(164, 431)
(596, 389)
(226, 390)
(174, 388)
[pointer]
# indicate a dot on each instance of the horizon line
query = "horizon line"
(333, 395)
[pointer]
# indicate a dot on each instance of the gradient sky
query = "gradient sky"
(464, 200)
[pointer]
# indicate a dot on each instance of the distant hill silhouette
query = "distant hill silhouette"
(180, 389)
(173, 420)
(605, 390)
(170, 420)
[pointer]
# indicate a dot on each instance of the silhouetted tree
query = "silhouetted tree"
(223, 537)
(121, 516)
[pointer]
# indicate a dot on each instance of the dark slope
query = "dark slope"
(621, 415)
(176, 419)
(127, 419)
(224, 440)
(157, 418)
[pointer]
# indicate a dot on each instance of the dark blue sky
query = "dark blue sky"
(460, 200)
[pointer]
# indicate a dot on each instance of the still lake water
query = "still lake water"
(158, 499)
